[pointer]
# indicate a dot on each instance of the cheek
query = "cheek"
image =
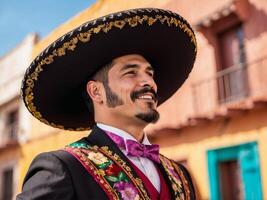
(126, 95)
(123, 88)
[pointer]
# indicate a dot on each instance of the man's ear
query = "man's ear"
(93, 88)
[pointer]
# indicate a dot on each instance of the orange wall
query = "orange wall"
(180, 107)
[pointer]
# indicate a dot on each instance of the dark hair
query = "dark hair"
(102, 76)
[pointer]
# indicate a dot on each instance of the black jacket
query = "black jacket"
(59, 175)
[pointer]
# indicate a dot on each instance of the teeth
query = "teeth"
(145, 97)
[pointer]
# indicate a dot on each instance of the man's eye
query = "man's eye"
(150, 74)
(130, 73)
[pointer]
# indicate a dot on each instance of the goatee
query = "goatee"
(149, 117)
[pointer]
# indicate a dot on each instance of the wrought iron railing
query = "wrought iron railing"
(233, 84)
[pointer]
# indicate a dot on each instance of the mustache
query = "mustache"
(136, 94)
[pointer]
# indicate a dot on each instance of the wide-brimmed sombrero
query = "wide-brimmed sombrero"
(53, 84)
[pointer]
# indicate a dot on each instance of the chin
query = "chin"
(149, 117)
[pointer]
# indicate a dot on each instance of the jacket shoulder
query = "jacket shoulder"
(46, 173)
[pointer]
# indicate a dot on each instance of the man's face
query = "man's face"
(131, 90)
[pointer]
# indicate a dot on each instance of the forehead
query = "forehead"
(132, 59)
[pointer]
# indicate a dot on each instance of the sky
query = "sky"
(18, 18)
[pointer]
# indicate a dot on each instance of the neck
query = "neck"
(136, 132)
(130, 126)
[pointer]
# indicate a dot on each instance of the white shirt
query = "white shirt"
(144, 164)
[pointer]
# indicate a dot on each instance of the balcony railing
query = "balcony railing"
(232, 85)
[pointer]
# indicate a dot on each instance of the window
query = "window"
(234, 172)
(6, 192)
(231, 76)
(12, 125)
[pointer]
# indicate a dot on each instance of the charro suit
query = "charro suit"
(60, 175)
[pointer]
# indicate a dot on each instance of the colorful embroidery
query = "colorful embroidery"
(115, 176)
(81, 154)
(127, 191)
(174, 177)
(138, 182)
(116, 180)
(184, 180)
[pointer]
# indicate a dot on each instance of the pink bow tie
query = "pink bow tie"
(136, 149)
(148, 151)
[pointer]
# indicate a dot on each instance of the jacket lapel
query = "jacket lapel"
(100, 138)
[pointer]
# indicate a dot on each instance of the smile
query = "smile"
(147, 97)
(146, 94)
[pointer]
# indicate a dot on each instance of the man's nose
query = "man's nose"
(148, 81)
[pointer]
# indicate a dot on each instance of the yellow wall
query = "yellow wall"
(192, 144)
(55, 140)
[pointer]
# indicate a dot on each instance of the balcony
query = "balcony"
(240, 87)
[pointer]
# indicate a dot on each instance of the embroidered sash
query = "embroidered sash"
(115, 176)
(179, 183)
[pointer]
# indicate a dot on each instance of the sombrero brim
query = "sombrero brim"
(53, 84)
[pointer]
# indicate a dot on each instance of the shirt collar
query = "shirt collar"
(122, 133)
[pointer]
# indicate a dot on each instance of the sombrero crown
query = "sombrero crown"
(53, 84)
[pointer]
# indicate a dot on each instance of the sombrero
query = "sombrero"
(54, 82)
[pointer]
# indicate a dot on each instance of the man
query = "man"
(112, 72)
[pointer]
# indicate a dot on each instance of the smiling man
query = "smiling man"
(124, 94)
(110, 75)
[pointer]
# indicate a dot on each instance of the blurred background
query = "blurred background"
(216, 124)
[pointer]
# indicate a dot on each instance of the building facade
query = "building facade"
(216, 124)
(14, 119)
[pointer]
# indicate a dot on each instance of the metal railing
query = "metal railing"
(233, 84)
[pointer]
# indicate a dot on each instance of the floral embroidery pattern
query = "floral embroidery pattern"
(127, 190)
(114, 175)
(118, 161)
(177, 185)
(111, 176)
(183, 179)
(98, 158)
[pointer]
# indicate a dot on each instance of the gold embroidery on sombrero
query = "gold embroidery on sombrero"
(86, 37)
(109, 170)
(174, 177)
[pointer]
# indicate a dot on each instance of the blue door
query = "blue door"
(250, 166)
(245, 160)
